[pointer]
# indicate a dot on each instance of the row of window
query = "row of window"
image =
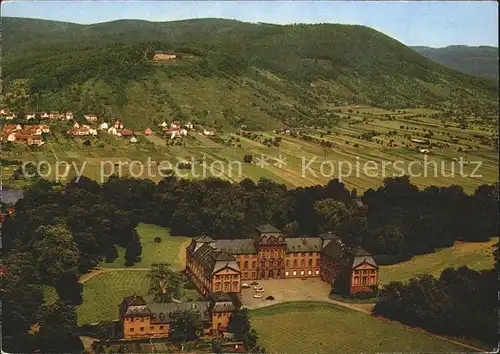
(302, 272)
(292, 254)
(279, 263)
(226, 277)
(365, 280)
(365, 271)
(227, 286)
(142, 329)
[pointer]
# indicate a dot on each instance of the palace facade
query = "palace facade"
(222, 265)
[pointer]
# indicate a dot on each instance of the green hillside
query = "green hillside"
(230, 72)
(478, 61)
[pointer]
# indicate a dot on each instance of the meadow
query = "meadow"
(475, 255)
(171, 249)
(306, 327)
(295, 162)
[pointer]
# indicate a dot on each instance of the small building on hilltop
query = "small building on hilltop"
(133, 139)
(148, 131)
(160, 55)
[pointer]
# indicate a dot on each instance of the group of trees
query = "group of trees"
(461, 302)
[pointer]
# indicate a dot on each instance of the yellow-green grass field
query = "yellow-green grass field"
(171, 249)
(312, 327)
(476, 255)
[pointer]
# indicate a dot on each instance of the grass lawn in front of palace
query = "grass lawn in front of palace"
(103, 293)
(171, 249)
(476, 255)
(312, 327)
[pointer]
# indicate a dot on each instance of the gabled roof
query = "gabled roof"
(360, 256)
(237, 246)
(221, 302)
(267, 229)
(162, 313)
(134, 300)
(328, 236)
(334, 251)
(303, 244)
(203, 239)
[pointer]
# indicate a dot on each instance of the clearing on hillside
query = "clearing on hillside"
(285, 328)
(476, 255)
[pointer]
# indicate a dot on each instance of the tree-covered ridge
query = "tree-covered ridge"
(478, 61)
(295, 68)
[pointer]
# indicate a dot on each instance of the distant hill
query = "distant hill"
(478, 61)
(230, 72)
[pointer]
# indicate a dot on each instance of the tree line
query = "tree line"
(462, 302)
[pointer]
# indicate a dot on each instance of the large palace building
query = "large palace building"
(222, 265)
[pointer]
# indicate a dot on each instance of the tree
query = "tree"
(134, 250)
(58, 329)
(329, 214)
(55, 251)
(248, 158)
(69, 289)
(185, 326)
(239, 325)
(164, 284)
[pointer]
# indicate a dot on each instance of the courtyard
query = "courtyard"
(285, 290)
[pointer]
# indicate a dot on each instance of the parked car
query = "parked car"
(261, 290)
(257, 296)
(254, 283)
(257, 287)
(270, 298)
(245, 286)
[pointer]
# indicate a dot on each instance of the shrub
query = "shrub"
(157, 239)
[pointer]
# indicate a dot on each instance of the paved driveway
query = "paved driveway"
(284, 290)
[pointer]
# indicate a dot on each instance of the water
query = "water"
(11, 196)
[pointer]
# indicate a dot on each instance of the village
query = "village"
(33, 134)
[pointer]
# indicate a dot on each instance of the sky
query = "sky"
(433, 23)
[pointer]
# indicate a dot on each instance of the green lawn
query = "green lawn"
(103, 293)
(171, 249)
(309, 327)
(477, 255)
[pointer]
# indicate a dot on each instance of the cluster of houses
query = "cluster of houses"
(176, 129)
(8, 115)
(31, 134)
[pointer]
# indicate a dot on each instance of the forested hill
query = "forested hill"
(478, 61)
(231, 72)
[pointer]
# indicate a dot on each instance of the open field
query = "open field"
(171, 249)
(310, 327)
(303, 162)
(476, 255)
